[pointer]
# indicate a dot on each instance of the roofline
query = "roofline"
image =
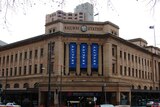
(82, 22)
(59, 33)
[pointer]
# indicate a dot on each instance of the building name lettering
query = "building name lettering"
(79, 28)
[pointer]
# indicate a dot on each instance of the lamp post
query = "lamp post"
(49, 73)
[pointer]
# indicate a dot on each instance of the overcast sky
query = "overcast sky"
(133, 18)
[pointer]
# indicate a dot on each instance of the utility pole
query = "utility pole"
(49, 73)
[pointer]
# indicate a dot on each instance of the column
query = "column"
(118, 63)
(89, 60)
(129, 99)
(118, 98)
(67, 59)
(78, 59)
(100, 59)
(56, 98)
(107, 60)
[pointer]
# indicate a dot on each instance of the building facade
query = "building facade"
(83, 12)
(87, 9)
(79, 64)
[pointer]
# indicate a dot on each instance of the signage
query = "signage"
(72, 55)
(94, 55)
(83, 55)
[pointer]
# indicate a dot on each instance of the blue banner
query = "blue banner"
(94, 55)
(83, 55)
(72, 55)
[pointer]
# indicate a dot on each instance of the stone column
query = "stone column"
(78, 59)
(89, 60)
(56, 99)
(129, 98)
(107, 60)
(100, 59)
(118, 98)
(67, 59)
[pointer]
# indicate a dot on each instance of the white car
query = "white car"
(12, 105)
(106, 105)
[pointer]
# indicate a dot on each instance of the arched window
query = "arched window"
(0, 85)
(25, 85)
(150, 88)
(139, 87)
(132, 86)
(36, 85)
(7, 85)
(16, 85)
(145, 87)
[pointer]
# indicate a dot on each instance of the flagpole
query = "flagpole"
(153, 27)
(154, 37)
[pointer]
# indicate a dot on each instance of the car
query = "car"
(156, 104)
(106, 105)
(149, 103)
(12, 105)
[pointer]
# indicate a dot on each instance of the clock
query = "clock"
(83, 28)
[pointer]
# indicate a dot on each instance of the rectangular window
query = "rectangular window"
(25, 55)
(16, 57)
(120, 54)
(121, 70)
(128, 56)
(20, 57)
(136, 58)
(30, 69)
(20, 70)
(35, 69)
(10, 71)
(133, 72)
(41, 53)
(4, 60)
(139, 73)
(25, 70)
(129, 71)
(30, 54)
(124, 55)
(0, 60)
(136, 73)
(11, 58)
(125, 70)
(113, 69)
(36, 53)
(2, 72)
(15, 70)
(7, 58)
(132, 58)
(41, 68)
(6, 72)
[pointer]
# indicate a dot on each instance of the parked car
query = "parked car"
(156, 104)
(149, 103)
(106, 105)
(12, 105)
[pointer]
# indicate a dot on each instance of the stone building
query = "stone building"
(88, 63)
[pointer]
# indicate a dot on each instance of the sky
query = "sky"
(132, 16)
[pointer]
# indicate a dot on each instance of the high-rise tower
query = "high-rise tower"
(87, 9)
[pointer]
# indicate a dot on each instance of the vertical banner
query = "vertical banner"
(94, 55)
(83, 55)
(72, 55)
